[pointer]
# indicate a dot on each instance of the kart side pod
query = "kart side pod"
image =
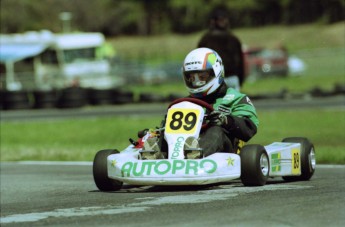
(293, 159)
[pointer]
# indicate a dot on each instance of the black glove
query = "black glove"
(142, 133)
(217, 118)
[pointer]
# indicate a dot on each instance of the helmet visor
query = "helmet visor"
(196, 79)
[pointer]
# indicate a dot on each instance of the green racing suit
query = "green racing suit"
(242, 121)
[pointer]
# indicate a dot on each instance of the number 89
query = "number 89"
(179, 120)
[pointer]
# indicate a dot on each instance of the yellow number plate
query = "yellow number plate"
(296, 161)
(182, 120)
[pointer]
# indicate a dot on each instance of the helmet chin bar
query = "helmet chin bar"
(199, 93)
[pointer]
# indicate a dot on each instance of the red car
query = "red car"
(261, 62)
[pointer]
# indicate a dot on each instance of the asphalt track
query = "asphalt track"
(64, 194)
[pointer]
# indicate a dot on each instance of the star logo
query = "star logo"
(230, 161)
(113, 163)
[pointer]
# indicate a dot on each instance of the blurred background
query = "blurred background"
(154, 17)
(145, 41)
(72, 54)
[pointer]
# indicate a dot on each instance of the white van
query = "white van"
(46, 61)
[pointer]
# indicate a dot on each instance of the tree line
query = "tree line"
(150, 17)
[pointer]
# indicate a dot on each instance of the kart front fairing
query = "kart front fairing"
(184, 119)
(219, 167)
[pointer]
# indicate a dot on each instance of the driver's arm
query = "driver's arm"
(241, 127)
(239, 118)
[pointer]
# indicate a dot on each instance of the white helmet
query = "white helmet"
(203, 72)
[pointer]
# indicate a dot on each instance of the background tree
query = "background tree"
(147, 17)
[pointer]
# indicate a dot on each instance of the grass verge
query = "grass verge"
(80, 139)
(322, 54)
(161, 48)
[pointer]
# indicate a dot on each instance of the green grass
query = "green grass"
(175, 47)
(80, 139)
(321, 47)
(322, 72)
(325, 128)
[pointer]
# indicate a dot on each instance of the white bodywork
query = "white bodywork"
(219, 167)
(284, 159)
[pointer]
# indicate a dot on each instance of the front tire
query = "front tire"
(308, 160)
(254, 165)
(100, 172)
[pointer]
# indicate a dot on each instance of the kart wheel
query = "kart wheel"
(254, 165)
(308, 160)
(100, 172)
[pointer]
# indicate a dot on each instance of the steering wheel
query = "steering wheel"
(195, 101)
(209, 108)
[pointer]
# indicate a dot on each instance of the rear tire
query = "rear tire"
(100, 172)
(254, 165)
(308, 161)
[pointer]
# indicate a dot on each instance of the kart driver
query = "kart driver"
(234, 117)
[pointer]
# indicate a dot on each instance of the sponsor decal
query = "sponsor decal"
(230, 161)
(165, 167)
(224, 109)
(275, 165)
(249, 101)
(177, 147)
(193, 63)
(229, 97)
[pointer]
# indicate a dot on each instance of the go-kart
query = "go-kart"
(293, 158)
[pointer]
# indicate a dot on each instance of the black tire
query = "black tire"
(254, 165)
(44, 99)
(100, 96)
(151, 98)
(307, 159)
(174, 96)
(100, 172)
(122, 97)
(16, 100)
(72, 97)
